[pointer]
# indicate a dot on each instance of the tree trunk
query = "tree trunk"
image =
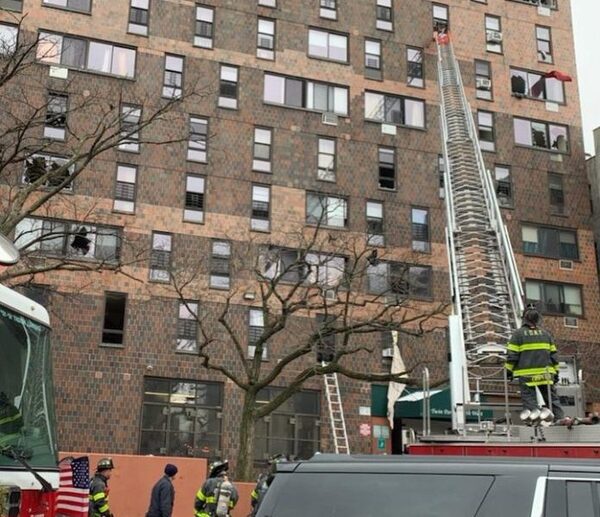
(245, 463)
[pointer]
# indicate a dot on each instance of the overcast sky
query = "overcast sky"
(586, 14)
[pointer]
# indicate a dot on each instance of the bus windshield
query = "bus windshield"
(26, 396)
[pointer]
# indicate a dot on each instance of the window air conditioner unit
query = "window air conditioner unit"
(494, 37)
(387, 352)
(565, 264)
(329, 118)
(329, 294)
(571, 321)
(483, 83)
(264, 42)
(372, 62)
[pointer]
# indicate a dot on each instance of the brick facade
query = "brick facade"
(99, 389)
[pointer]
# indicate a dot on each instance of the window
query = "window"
(552, 4)
(391, 109)
(68, 239)
(420, 230)
(399, 280)
(83, 6)
(268, 3)
(493, 34)
(262, 149)
(483, 80)
(205, 17)
(197, 143)
(554, 298)
(550, 242)
(265, 45)
(326, 159)
(544, 44)
(90, 55)
(114, 318)
(282, 264)
(181, 418)
(536, 86)
(328, 45)
(504, 192)
(138, 17)
(325, 270)
(160, 257)
(173, 77)
(291, 429)
(256, 327)
(375, 223)
(12, 5)
(261, 203)
(328, 9)
(373, 58)
(542, 135)
(326, 344)
(414, 67)
(384, 15)
(194, 199)
(485, 124)
(557, 194)
(302, 93)
(9, 35)
(441, 172)
(130, 121)
(387, 168)
(440, 17)
(51, 168)
(55, 126)
(228, 87)
(187, 327)
(325, 210)
(219, 265)
(125, 188)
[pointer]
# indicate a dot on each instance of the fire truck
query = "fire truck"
(28, 451)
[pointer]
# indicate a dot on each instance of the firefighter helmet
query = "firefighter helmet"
(218, 468)
(105, 464)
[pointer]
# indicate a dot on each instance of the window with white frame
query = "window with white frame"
(9, 35)
(220, 265)
(301, 93)
(555, 298)
(325, 270)
(485, 124)
(205, 17)
(187, 326)
(160, 257)
(421, 239)
(556, 243)
(193, 211)
(322, 209)
(83, 6)
(228, 87)
(125, 188)
(326, 160)
(483, 80)
(261, 152)
(493, 34)
(130, 121)
(373, 61)
(384, 15)
(328, 9)
(256, 328)
(197, 143)
(375, 232)
(535, 85)
(138, 17)
(393, 109)
(48, 169)
(12, 5)
(173, 76)
(328, 45)
(268, 3)
(55, 125)
(544, 43)
(265, 44)
(282, 264)
(261, 208)
(440, 17)
(399, 281)
(541, 135)
(414, 67)
(504, 190)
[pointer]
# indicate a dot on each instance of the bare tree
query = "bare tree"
(49, 140)
(320, 297)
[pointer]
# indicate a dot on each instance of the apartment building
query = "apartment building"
(302, 104)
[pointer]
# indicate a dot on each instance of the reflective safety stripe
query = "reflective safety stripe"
(531, 346)
(103, 508)
(200, 495)
(526, 372)
(211, 499)
(254, 494)
(97, 496)
(8, 419)
(201, 514)
(513, 347)
(539, 383)
(510, 367)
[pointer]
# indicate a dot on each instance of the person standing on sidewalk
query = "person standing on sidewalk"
(162, 497)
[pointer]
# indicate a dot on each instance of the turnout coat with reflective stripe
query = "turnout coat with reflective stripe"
(206, 498)
(99, 496)
(532, 356)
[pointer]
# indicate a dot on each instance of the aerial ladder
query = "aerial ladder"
(487, 295)
(336, 414)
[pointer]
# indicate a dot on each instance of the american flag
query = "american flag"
(74, 487)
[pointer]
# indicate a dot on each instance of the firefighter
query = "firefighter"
(11, 420)
(531, 360)
(217, 496)
(264, 482)
(99, 489)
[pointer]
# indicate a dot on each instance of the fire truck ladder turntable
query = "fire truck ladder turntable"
(484, 282)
